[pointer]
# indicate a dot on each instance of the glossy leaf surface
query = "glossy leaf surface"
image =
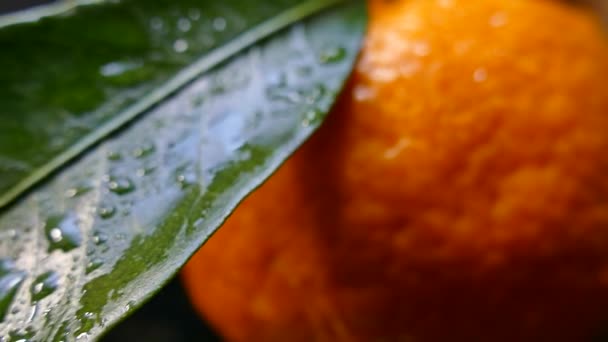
(69, 80)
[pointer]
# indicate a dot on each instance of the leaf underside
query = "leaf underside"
(104, 232)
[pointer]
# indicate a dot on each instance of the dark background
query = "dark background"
(168, 316)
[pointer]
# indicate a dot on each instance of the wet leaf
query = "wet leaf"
(131, 130)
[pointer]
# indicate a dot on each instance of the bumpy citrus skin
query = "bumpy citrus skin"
(458, 192)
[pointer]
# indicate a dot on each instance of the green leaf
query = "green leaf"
(68, 82)
(143, 124)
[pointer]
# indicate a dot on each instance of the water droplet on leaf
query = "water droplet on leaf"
(77, 191)
(100, 238)
(114, 69)
(219, 24)
(114, 156)
(180, 46)
(311, 117)
(44, 285)
(129, 306)
(144, 151)
(63, 232)
(144, 171)
(121, 186)
(106, 212)
(93, 265)
(316, 94)
(333, 55)
(185, 176)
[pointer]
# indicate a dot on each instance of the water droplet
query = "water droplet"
(184, 25)
(10, 281)
(93, 265)
(219, 24)
(100, 238)
(106, 212)
(77, 191)
(9, 234)
(114, 69)
(63, 232)
(180, 46)
(56, 235)
(311, 117)
(316, 94)
(130, 305)
(121, 186)
(44, 285)
(333, 55)
(185, 178)
(144, 171)
(114, 156)
(144, 151)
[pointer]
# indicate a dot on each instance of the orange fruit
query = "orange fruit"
(457, 192)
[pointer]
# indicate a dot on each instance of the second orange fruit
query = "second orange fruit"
(458, 191)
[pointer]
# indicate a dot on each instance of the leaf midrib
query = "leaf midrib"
(185, 76)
